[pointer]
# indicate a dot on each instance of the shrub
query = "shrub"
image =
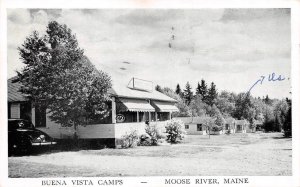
(175, 130)
(144, 140)
(216, 128)
(129, 140)
(154, 133)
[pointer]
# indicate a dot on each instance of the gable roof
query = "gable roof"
(13, 93)
(123, 91)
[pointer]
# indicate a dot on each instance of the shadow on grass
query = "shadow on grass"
(282, 137)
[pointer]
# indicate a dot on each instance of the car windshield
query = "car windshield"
(19, 124)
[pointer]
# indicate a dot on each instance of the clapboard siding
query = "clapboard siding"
(15, 110)
(56, 130)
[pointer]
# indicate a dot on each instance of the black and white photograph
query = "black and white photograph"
(134, 92)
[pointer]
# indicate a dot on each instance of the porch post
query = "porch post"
(137, 116)
(149, 116)
(113, 110)
(170, 115)
(155, 116)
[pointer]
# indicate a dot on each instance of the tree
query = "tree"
(212, 94)
(188, 94)
(280, 111)
(158, 88)
(267, 100)
(178, 90)
(59, 77)
(197, 106)
(184, 110)
(219, 122)
(202, 90)
(287, 126)
(224, 104)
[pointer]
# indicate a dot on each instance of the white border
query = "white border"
(156, 181)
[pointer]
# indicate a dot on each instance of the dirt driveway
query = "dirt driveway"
(257, 154)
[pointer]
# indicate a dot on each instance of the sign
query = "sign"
(120, 118)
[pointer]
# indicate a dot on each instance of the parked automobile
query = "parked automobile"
(23, 137)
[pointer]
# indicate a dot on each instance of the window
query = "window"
(199, 127)
(227, 127)
(186, 126)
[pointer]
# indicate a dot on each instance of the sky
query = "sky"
(231, 47)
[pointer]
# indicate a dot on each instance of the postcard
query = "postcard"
(149, 93)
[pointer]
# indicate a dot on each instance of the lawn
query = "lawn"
(254, 154)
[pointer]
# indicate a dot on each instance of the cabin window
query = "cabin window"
(199, 127)
(186, 126)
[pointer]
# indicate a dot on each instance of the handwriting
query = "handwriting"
(271, 77)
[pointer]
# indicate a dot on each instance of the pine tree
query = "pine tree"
(267, 100)
(188, 94)
(178, 90)
(202, 90)
(158, 88)
(198, 89)
(211, 95)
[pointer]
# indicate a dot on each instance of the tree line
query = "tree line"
(269, 114)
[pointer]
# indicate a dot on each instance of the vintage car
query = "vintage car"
(23, 137)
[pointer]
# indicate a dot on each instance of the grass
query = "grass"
(236, 154)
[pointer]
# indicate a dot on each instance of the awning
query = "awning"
(135, 105)
(165, 107)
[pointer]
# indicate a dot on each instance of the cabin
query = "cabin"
(194, 125)
(199, 126)
(131, 106)
(241, 126)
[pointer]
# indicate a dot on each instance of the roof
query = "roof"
(134, 105)
(13, 93)
(241, 122)
(229, 120)
(195, 120)
(164, 106)
(125, 92)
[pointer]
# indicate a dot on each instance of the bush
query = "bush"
(144, 140)
(154, 133)
(175, 130)
(129, 140)
(216, 128)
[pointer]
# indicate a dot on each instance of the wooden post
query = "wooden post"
(170, 115)
(149, 117)
(155, 116)
(137, 117)
(113, 110)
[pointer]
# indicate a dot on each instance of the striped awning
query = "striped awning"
(165, 106)
(135, 105)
